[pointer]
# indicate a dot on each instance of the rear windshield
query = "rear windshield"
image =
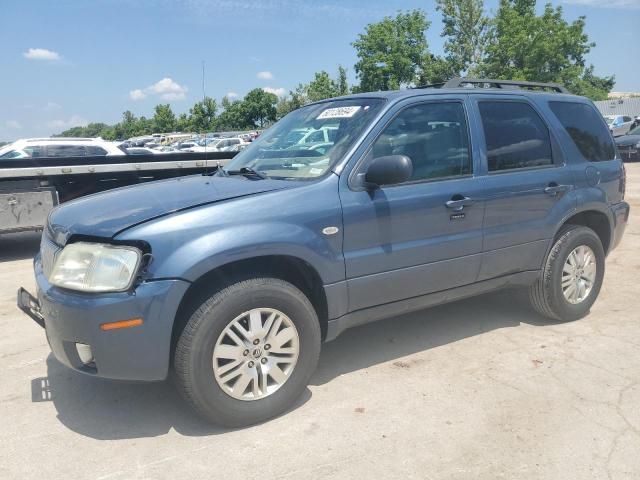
(587, 130)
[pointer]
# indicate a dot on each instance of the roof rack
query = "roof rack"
(459, 82)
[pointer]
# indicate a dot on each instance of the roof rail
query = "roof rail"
(62, 139)
(506, 84)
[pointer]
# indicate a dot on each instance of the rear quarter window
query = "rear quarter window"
(587, 130)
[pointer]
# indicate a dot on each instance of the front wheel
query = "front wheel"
(248, 352)
(572, 275)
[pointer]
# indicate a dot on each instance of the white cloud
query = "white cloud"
(232, 95)
(41, 54)
(73, 121)
(281, 92)
(52, 106)
(13, 124)
(265, 75)
(137, 94)
(166, 89)
(623, 4)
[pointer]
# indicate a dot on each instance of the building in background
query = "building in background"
(620, 106)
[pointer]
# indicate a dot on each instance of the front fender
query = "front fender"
(200, 255)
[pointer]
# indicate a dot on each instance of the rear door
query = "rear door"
(425, 235)
(527, 184)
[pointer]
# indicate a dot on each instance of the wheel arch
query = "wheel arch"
(289, 268)
(597, 221)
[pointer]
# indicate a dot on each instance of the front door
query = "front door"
(425, 235)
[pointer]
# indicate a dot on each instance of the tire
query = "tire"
(194, 361)
(547, 295)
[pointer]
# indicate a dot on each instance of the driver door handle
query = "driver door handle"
(553, 189)
(458, 202)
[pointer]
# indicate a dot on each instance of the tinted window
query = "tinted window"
(433, 135)
(584, 124)
(34, 151)
(95, 150)
(626, 119)
(13, 154)
(65, 151)
(516, 136)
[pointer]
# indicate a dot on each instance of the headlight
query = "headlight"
(95, 267)
(638, 145)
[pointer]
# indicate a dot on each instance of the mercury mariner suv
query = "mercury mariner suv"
(232, 280)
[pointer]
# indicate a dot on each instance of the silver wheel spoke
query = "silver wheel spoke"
(579, 274)
(251, 360)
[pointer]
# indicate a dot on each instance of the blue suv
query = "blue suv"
(232, 280)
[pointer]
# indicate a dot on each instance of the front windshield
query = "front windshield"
(298, 147)
(635, 131)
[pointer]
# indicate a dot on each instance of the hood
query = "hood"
(627, 140)
(108, 213)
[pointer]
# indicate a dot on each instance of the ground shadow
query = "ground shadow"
(105, 409)
(19, 246)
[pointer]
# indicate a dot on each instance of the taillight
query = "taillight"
(623, 180)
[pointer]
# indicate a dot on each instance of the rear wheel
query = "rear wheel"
(248, 352)
(572, 275)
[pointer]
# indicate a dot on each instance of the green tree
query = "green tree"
(183, 123)
(545, 48)
(203, 115)
(342, 84)
(321, 87)
(164, 120)
(391, 52)
(294, 100)
(233, 117)
(466, 30)
(260, 107)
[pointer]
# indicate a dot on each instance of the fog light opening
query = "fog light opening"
(85, 353)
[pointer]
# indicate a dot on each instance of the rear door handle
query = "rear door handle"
(553, 189)
(458, 202)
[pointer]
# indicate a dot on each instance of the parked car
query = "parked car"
(629, 145)
(234, 280)
(619, 124)
(204, 145)
(59, 147)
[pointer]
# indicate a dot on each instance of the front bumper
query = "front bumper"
(71, 318)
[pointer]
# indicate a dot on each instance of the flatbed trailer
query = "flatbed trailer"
(31, 187)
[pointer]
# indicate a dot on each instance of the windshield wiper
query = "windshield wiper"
(246, 171)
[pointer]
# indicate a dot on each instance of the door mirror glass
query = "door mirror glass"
(388, 170)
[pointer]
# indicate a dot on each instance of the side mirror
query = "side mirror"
(387, 170)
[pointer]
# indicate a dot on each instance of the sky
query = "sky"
(69, 62)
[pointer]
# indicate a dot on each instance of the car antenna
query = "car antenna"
(206, 161)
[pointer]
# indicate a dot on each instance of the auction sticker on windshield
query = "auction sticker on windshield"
(338, 112)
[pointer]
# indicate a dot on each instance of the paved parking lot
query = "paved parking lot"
(479, 389)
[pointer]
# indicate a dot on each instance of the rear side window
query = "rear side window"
(516, 136)
(91, 150)
(65, 151)
(587, 130)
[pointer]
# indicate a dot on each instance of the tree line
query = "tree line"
(515, 44)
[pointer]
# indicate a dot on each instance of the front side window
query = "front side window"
(515, 135)
(278, 153)
(584, 126)
(433, 135)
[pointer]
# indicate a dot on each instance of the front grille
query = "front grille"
(48, 252)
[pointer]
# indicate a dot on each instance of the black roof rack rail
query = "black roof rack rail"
(506, 84)
(430, 85)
